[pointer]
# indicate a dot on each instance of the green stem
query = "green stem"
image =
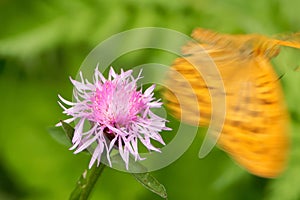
(86, 183)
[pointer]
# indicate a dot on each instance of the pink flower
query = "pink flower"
(117, 113)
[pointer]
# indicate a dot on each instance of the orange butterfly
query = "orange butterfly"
(255, 129)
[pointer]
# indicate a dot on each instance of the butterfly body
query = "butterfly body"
(255, 129)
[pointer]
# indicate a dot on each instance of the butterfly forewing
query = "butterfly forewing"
(255, 128)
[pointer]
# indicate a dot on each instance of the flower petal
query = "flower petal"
(116, 105)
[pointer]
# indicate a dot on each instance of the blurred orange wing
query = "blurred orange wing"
(255, 131)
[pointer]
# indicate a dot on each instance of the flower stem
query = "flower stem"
(86, 183)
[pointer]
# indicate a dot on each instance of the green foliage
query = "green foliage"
(44, 42)
(60, 135)
(149, 182)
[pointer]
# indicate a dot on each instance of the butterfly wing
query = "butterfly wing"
(255, 128)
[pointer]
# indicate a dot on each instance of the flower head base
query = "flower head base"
(119, 115)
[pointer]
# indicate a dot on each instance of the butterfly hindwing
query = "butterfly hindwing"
(255, 130)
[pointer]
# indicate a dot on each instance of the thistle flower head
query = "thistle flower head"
(119, 116)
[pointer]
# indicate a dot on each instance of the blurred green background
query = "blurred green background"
(42, 43)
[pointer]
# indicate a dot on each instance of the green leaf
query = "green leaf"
(69, 130)
(63, 134)
(151, 183)
(59, 135)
